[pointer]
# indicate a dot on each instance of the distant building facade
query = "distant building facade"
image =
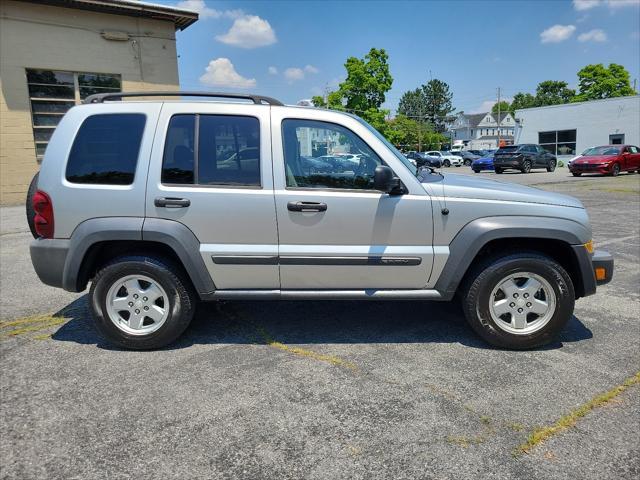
(478, 131)
(54, 53)
(569, 129)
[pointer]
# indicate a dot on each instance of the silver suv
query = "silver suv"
(160, 204)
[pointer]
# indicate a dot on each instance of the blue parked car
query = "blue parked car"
(484, 163)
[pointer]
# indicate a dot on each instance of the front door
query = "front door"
(211, 170)
(335, 231)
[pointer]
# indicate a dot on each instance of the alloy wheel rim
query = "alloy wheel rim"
(137, 305)
(522, 303)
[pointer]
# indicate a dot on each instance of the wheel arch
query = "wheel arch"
(560, 239)
(96, 241)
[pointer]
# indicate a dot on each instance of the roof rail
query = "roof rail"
(257, 99)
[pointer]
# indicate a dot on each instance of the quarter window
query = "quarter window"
(53, 92)
(558, 142)
(105, 150)
(212, 150)
(326, 155)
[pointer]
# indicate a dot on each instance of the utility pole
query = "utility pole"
(498, 117)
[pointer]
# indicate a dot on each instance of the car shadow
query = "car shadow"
(313, 322)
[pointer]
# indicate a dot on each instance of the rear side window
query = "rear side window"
(212, 150)
(105, 150)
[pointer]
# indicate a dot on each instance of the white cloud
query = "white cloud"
(595, 35)
(581, 5)
(557, 33)
(273, 71)
(623, 3)
(249, 31)
(205, 12)
(221, 73)
(293, 74)
(487, 105)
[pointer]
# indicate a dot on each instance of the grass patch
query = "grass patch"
(540, 435)
(303, 352)
(24, 325)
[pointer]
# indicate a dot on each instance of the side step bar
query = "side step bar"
(324, 295)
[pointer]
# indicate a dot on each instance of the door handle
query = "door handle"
(172, 202)
(306, 207)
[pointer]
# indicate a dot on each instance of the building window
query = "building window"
(53, 92)
(558, 142)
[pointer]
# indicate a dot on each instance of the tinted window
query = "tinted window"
(228, 150)
(547, 137)
(508, 149)
(105, 150)
(178, 163)
(325, 155)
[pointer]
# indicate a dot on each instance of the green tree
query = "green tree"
(553, 92)
(504, 107)
(413, 104)
(597, 81)
(438, 103)
(522, 100)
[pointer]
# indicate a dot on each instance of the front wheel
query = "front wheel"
(475, 170)
(498, 170)
(519, 301)
(576, 174)
(526, 166)
(615, 170)
(467, 163)
(447, 163)
(141, 302)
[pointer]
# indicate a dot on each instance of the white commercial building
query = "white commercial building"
(569, 129)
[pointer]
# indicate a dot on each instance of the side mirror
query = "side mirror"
(384, 180)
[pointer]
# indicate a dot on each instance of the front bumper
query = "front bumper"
(589, 168)
(602, 266)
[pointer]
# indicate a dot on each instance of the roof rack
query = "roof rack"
(257, 99)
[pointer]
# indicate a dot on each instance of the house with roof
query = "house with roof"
(478, 131)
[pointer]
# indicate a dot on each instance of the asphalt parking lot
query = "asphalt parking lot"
(324, 389)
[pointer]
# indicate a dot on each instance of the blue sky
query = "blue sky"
(295, 49)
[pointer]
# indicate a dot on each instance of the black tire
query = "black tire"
(31, 213)
(475, 170)
(182, 301)
(526, 166)
(615, 170)
(498, 170)
(576, 174)
(551, 166)
(446, 163)
(483, 279)
(467, 163)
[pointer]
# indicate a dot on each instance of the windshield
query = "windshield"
(607, 150)
(405, 161)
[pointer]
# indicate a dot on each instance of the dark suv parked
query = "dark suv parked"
(523, 158)
(424, 160)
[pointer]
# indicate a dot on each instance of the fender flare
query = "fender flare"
(173, 234)
(477, 233)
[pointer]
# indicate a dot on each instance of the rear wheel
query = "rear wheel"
(446, 163)
(576, 174)
(519, 301)
(475, 170)
(141, 303)
(31, 213)
(498, 170)
(526, 166)
(467, 163)
(551, 166)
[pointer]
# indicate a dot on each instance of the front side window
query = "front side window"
(53, 92)
(105, 150)
(212, 150)
(326, 155)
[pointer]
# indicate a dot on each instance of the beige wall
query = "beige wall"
(39, 36)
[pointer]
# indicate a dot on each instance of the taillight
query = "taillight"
(44, 214)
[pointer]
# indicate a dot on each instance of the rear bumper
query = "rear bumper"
(48, 257)
(507, 164)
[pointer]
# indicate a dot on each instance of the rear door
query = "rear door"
(336, 232)
(632, 158)
(211, 170)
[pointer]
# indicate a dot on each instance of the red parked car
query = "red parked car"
(607, 160)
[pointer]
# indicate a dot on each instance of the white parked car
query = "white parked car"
(448, 159)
